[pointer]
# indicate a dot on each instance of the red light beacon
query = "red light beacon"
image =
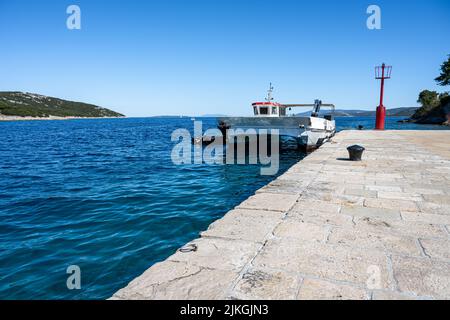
(383, 72)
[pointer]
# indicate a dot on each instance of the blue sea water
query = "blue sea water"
(105, 195)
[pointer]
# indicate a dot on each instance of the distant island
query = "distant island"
(394, 112)
(215, 115)
(17, 105)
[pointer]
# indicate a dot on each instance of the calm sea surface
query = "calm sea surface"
(104, 195)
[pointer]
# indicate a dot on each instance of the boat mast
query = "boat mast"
(269, 93)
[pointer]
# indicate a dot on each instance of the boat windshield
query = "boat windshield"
(263, 110)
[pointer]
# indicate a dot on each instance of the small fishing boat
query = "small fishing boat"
(299, 131)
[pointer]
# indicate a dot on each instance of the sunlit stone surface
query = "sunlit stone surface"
(328, 229)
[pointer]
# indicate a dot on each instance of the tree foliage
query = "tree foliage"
(435, 106)
(429, 99)
(444, 78)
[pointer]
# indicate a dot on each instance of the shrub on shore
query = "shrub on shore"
(435, 107)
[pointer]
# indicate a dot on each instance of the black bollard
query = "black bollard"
(355, 152)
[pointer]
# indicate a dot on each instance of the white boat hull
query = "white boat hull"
(309, 132)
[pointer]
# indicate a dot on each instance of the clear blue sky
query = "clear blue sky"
(192, 57)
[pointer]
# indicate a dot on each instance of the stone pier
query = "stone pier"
(328, 228)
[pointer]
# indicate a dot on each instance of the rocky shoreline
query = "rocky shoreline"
(16, 118)
(439, 115)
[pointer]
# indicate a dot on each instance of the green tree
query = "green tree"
(444, 78)
(444, 95)
(429, 99)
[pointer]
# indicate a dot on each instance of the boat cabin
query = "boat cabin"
(274, 109)
(269, 109)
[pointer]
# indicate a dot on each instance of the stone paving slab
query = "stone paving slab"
(259, 283)
(316, 289)
(328, 228)
(326, 261)
(175, 280)
(422, 276)
(219, 254)
(270, 201)
(235, 225)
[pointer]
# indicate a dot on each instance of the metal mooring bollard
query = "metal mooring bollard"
(355, 152)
